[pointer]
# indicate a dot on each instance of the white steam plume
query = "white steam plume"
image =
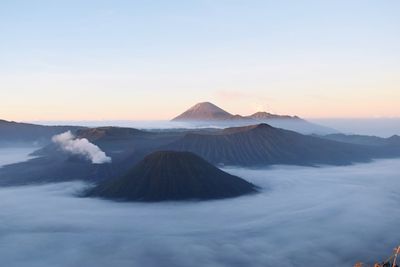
(69, 143)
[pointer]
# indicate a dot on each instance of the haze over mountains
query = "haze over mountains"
(258, 145)
(206, 112)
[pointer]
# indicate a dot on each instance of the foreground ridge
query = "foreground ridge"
(389, 262)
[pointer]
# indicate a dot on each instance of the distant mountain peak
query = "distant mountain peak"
(263, 115)
(207, 111)
(207, 106)
(206, 103)
(204, 111)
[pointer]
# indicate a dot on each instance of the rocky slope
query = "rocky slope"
(262, 144)
(168, 175)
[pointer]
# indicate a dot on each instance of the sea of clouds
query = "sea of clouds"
(328, 216)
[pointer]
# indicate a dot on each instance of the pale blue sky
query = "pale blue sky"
(152, 59)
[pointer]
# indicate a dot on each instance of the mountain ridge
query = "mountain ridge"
(262, 144)
(210, 111)
(12, 132)
(206, 114)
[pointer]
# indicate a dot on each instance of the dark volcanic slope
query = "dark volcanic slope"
(262, 145)
(128, 143)
(109, 133)
(171, 175)
(11, 132)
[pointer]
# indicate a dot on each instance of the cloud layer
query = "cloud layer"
(330, 216)
(83, 147)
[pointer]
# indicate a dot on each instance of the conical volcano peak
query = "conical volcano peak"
(173, 175)
(204, 111)
(206, 105)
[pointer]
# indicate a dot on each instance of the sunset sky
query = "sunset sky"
(150, 60)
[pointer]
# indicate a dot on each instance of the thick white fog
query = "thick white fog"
(383, 127)
(330, 216)
(9, 155)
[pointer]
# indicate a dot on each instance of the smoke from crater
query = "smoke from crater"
(81, 146)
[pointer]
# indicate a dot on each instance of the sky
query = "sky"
(151, 60)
